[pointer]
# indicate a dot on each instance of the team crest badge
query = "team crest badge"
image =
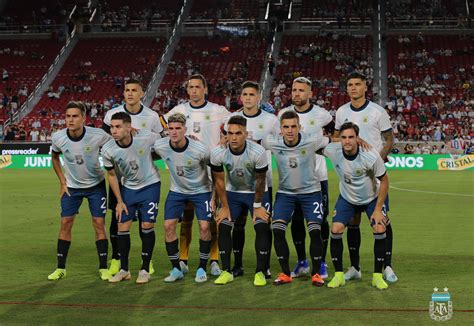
(358, 172)
(87, 148)
(292, 162)
(189, 162)
(196, 127)
(312, 122)
(133, 165)
(141, 151)
(207, 117)
(79, 159)
(441, 306)
(248, 165)
(303, 152)
(365, 119)
(260, 126)
(143, 124)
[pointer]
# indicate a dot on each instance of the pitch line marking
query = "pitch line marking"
(431, 192)
(120, 306)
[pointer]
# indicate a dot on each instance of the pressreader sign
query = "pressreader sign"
(25, 148)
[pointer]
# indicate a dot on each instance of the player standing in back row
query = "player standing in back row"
(376, 129)
(204, 120)
(260, 124)
(313, 119)
(143, 118)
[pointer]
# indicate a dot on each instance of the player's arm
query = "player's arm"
(114, 185)
(59, 172)
(218, 179)
(378, 216)
(389, 141)
(258, 210)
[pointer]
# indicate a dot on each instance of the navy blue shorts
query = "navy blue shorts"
(96, 196)
(240, 204)
(344, 211)
(311, 205)
(176, 203)
(144, 201)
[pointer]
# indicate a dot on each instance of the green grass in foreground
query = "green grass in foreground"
(433, 231)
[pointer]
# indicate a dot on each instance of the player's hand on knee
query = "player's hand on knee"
(119, 209)
(260, 213)
(63, 190)
(223, 214)
(377, 220)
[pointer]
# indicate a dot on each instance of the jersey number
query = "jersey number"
(104, 205)
(318, 209)
(153, 208)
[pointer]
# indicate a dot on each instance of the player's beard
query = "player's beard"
(299, 103)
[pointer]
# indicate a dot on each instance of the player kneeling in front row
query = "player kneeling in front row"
(188, 161)
(363, 186)
(246, 165)
(82, 178)
(131, 156)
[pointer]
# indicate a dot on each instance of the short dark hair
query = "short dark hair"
(237, 120)
(77, 105)
(134, 81)
(198, 76)
(251, 84)
(349, 125)
(356, 75)
(290, 114)
(125, 117)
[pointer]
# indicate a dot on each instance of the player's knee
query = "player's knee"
(261, 228)
(378, 228)
(147, 225)
(279, 229)
(66, 223)
(225, 228)
(204, 230)
(337, 227)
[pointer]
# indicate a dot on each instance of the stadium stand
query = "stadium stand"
(95, 72)
(23, 64)
(226, 63)
(326, 59)
(430, 86)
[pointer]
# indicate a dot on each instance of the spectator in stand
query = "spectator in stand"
(9, 134)
(435, 149)
(22, 134)
(426, 149)
(34, 135)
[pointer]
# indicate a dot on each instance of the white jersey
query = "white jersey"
(240, 167)
(371, 118)
(145, 119)
(203, 122)
(296, 164)
(188, 166)
(358, 174)
(81, 156)
(133, 162)
(312, 121)
(259, 126)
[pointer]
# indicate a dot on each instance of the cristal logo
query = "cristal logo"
(405, 162)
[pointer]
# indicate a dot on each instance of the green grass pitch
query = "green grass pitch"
(432, 218)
